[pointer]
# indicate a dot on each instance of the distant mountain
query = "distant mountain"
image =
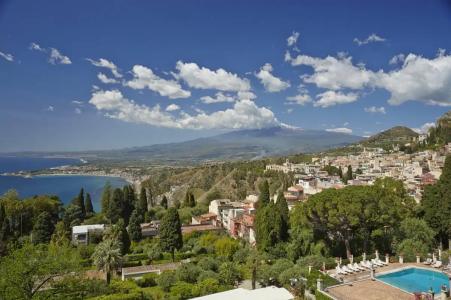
(243, 144)
(392, 136)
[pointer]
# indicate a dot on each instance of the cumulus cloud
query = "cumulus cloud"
(104, 63)
(204, 78)
(292, 39)
(50, 108)
(424, 128)
(418, 79)
(333, 73)
(218, 98)
(340, 130)
(105, 79)
(397, 59)
(246, 95)
(76, 102)
(7, 56)
(373, 38)
(300, 99)
(374, 109)
(144, 77)
(55, 55)
(270, 82)
(244, 114)
(172, 107)
(331, 98)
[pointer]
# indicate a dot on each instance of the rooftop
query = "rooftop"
(271, 292)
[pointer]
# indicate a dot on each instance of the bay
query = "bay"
(66, 187)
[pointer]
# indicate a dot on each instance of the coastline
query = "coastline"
(23, 175)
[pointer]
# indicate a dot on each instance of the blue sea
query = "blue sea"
(65, 187)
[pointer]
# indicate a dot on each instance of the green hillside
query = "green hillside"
(396, 135)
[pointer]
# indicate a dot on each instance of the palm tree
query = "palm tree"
(107, 257)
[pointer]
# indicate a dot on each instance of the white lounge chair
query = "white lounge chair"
(374, 262)
(356, 266)
(367, 264)
(351, 267)
(438, 264)
(383, 263)
(341, 271)
(448, 266)
(428, 261)
(346, 269)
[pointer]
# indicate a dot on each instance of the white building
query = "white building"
(270, 292)
(80, 234)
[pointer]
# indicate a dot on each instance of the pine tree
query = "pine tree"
(88, 205)
(142, 205)
(164, 202)
(264, 197)
(42, 229)
(171, 232)
(134, 227)
(106, 196)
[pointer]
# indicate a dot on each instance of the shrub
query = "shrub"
(188, 273)
(166, 280)
(206, 287)
(182, 290)
(147, 280)
(207, 275)
(208, 263)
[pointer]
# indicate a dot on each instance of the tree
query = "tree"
(106, 196)
(416, 238)
(107, 257)
(60, 236)
(164, 202)
(127, 203)
(229, 274)
(42, 229)
(88, 205)
(436, 204)
(226, 247)
(171, 232)
(115, 206)
(80, 201)
(72, 216)
(189, 200)
(282, 207)
(27, 269)
(264, 197)
(143, 204)
(340, 172)
(134, 226)
(153, 252)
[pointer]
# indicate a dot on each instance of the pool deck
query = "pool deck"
(360, 286)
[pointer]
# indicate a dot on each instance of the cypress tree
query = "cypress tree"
(134, 227)
(42, 229)
(115, 207)
(127, 203)
(171, 232)
(186, 200)
(142, 204)
(264, 197)
(123, 237)
(80, 202)
(106, 196)
(164, 202)
(192, 201)
(88, 205)
(282, 207)
(349, 175)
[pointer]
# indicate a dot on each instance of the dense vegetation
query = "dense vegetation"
(38, 261)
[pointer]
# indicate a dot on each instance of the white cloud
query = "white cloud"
(397, 59)
(104, 63)
(7, 56)
(331, 98)
(340, 130)
(218, 98)
(270, 82)
(50, 108)
(246, 95)
(144, 77)
(244, 114)
(333, 73)
(424, 128)
(105, 79)
(289, 111)
(345, 123)
(374, 109)
(418, 79)
(373, 38)
(172, 107)
(78, 111)
(292, 39)
(300, 99)
(55, 55)
(76, 102)
(204, 78)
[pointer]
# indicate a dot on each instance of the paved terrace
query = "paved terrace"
(359, 286)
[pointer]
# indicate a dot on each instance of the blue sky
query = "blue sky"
(165, 62)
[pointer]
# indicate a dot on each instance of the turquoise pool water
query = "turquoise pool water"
(416, 280)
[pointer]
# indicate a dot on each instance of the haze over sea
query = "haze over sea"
(65, 187)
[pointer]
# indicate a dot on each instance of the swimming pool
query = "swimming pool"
(415, 280)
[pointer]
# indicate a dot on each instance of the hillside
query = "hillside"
(392, 136)
(441, 133)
